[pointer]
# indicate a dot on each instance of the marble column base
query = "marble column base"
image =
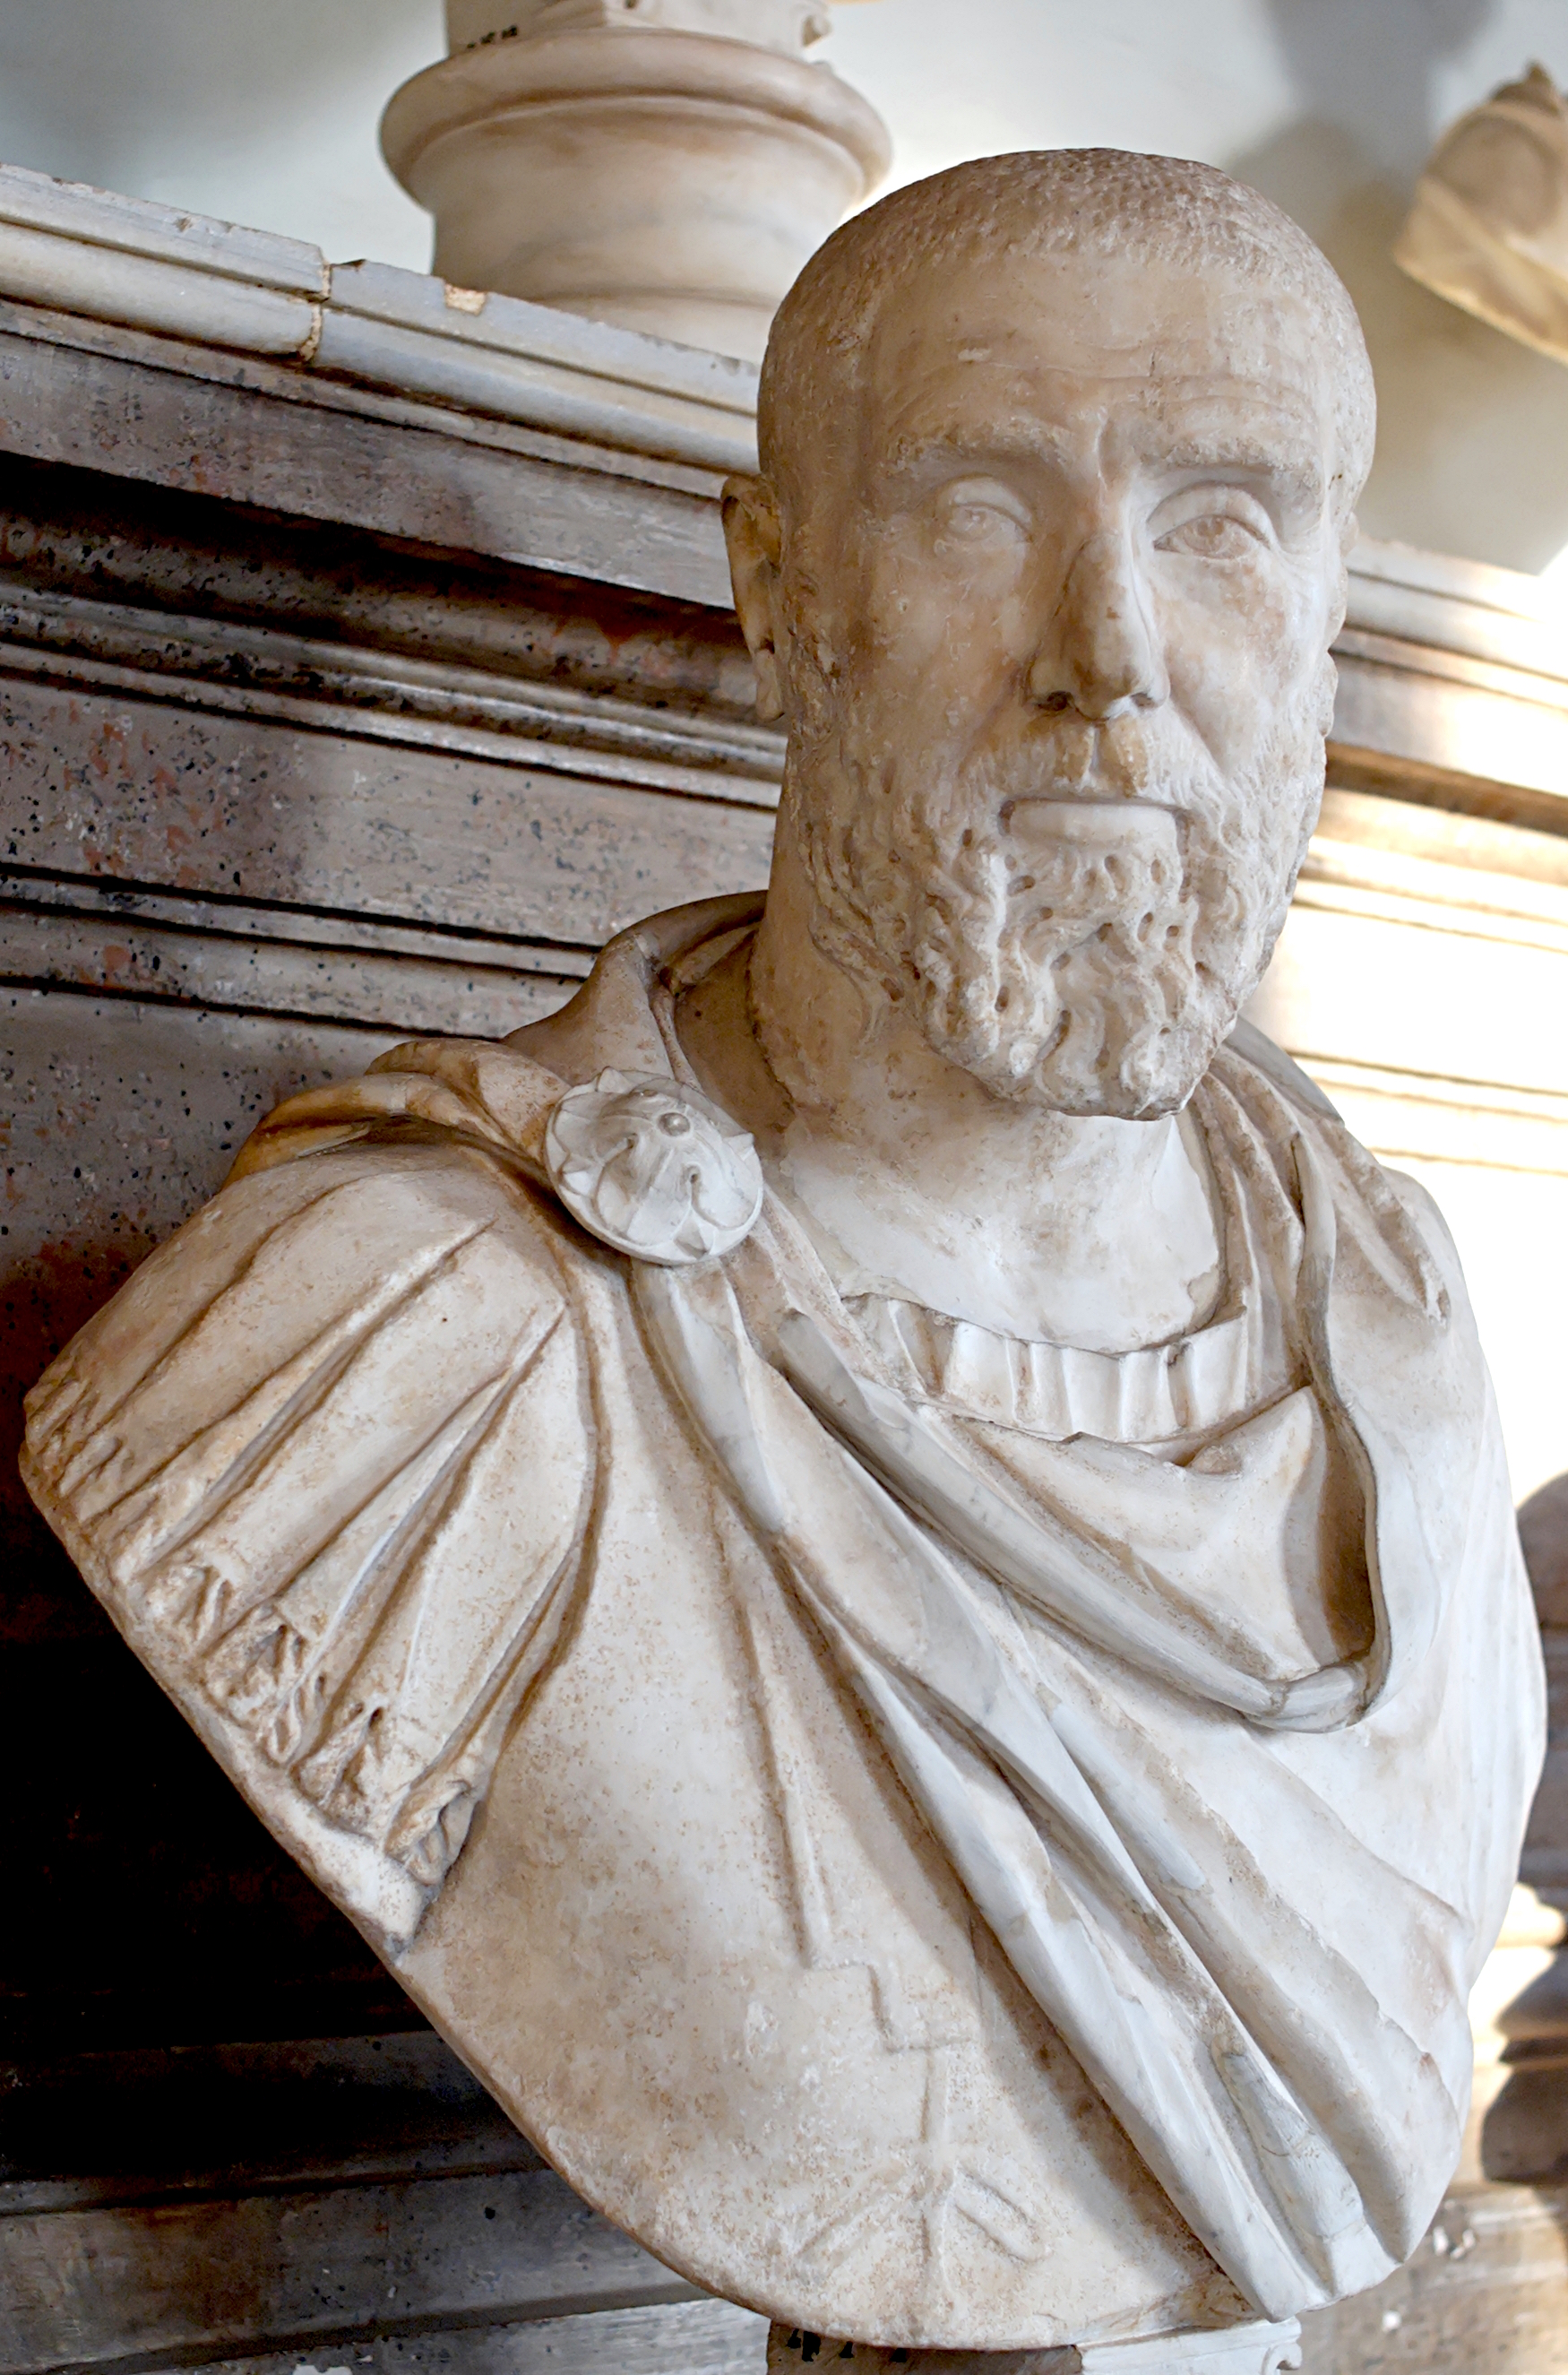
(1259, 2349)
(661, 180)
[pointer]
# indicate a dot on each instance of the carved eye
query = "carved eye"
(1217, 535)
(977, 511)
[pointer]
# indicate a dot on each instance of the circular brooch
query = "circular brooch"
(653, 1168)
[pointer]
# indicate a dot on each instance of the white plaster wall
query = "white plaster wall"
(265, 110)
(261, 112)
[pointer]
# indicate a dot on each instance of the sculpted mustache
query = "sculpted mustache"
(1080, 756)
(1077, 761)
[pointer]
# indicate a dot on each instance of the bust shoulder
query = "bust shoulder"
(292, 1459)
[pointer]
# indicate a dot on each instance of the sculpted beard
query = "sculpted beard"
(1090, 978)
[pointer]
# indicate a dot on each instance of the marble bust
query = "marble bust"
(878, 1559)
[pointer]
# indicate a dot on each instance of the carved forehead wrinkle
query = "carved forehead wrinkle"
(881, 272)
(997, 356)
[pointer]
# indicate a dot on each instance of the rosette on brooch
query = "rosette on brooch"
(653, 1168)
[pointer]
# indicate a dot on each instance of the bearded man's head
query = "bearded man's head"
(1059, 454)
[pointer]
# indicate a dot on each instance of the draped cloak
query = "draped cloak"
(933, 1868)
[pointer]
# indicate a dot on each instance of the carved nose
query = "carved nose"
(1101, 657)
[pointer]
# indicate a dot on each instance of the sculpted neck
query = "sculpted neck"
(918, 1182)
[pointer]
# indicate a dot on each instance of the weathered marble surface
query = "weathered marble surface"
(787, 1714)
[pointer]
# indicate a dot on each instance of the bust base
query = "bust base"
(1260, 2347)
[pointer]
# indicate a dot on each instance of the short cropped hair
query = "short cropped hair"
(1051, 202)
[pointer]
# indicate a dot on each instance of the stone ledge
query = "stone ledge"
(150, 267)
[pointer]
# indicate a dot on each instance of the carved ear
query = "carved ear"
(754, 534)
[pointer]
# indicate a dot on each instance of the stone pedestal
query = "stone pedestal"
(666, 165)
(1259, 2348)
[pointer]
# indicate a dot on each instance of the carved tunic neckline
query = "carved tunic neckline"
(1168, 1396)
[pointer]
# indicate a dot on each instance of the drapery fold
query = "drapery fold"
(1096, 1897)
(332, 1460)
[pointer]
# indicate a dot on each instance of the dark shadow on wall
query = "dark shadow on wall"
(1473, 451)
(1369, 65)
(145, 1905)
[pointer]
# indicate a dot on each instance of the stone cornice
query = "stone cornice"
(148, 267)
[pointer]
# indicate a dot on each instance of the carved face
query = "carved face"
(1054, 630)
